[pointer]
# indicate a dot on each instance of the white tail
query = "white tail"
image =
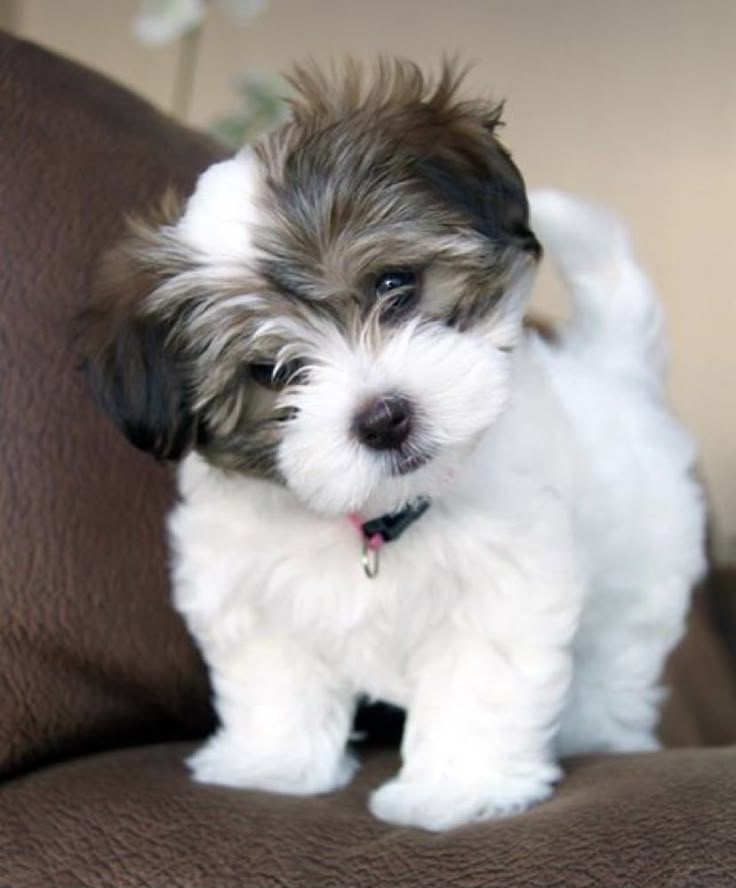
(616, 314)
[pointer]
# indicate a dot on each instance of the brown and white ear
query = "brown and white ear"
(466, 165)
(134, 370)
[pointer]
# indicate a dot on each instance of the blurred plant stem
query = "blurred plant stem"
(163, 22)
(260, 108)
(186, 69)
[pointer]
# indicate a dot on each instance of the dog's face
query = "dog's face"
(336, 306)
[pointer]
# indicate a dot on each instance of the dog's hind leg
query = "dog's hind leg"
(615, 697)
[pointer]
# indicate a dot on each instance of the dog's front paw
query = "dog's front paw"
(434, 806)
(224, 761)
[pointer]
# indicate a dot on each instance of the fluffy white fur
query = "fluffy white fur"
(525, 616)
(226, 192)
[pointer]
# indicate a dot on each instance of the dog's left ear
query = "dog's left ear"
(487, 187)
(466, 165)
(136, 371)
(503, 205)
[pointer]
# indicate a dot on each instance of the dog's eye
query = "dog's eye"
(391, 281)
(268, 376)
(398, 289)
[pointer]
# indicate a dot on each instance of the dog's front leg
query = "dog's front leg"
(477, 739)
(285, 718)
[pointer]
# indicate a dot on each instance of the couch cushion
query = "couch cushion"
(132, 819)
(90, 652)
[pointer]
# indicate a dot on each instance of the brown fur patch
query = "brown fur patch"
(543, 327)
(389, 171)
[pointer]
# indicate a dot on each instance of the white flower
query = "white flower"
(159, 22)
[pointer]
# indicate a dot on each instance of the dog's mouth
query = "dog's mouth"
(406, 463)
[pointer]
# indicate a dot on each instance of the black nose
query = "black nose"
(384, 423)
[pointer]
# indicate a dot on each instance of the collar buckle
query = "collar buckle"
(383, 530)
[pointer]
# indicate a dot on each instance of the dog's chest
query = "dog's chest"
(305, 579)
(248, 560)
(368, 628)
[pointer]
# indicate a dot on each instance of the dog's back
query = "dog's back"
(638, 512)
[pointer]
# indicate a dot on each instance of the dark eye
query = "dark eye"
(390, 281)
(268, 376)
(399, 288)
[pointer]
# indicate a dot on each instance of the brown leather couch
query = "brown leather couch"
(101, 693)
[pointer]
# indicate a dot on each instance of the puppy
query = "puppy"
(391, 487)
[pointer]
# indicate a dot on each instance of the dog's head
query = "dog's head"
(335, 306)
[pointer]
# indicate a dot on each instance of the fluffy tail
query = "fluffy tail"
(616, 318)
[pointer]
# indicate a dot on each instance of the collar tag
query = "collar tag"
(385, 529)
(370, 558)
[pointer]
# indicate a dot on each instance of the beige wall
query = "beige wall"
(630, 101)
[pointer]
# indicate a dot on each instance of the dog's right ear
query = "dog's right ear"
(135, 371)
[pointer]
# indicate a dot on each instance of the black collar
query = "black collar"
(390, 527)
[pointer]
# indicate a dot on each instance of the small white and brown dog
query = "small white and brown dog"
(390, 485)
